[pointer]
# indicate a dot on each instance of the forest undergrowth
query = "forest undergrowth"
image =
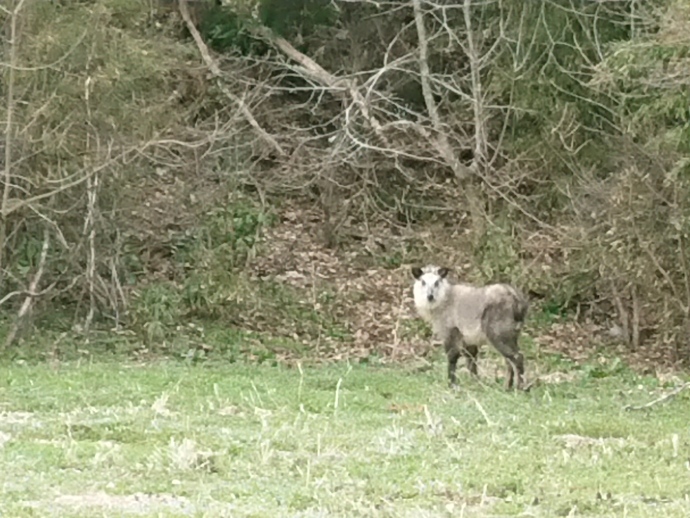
(255, 180)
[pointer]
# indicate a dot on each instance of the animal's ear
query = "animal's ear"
(416, 272)
(442, 272)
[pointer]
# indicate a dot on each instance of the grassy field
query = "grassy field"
(171, 439)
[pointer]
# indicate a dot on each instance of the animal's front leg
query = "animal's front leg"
(471, 353)
(452, 346)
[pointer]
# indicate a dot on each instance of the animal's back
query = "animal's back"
(470, 304)
(515, 300)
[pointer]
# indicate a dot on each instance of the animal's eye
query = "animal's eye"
(438, 281)
(423, 283)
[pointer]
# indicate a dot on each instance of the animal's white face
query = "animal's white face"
(431, 287)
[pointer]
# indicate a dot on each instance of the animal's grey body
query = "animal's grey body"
(465, 317)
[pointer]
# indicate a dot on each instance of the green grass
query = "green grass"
(174, 439)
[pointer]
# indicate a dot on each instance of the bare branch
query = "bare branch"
(26, 306)
(441, 141)
(9, 128)
(215, 70)
(336, 85)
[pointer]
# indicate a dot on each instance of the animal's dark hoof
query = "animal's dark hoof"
(528, 386)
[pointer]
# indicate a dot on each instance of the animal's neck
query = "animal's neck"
(429, 312)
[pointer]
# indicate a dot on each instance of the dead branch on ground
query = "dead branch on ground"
(659, 400)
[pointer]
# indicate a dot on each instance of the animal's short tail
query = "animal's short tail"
(520, 308)
(520, 305)
(508, 304)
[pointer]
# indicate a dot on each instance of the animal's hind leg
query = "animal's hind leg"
(503, 335)
(515, 370)
(452, 346)
(515, 362)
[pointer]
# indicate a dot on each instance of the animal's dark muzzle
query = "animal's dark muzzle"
(430, 298)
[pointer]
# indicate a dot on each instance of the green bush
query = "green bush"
(225, 30)
(296, 17)
(155, 311)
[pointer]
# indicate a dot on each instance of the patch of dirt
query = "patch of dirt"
(375, 303)
(575, 341)
(557, 377)
(574, 441)
(16, 417)
(138, 503)
(580, 341)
